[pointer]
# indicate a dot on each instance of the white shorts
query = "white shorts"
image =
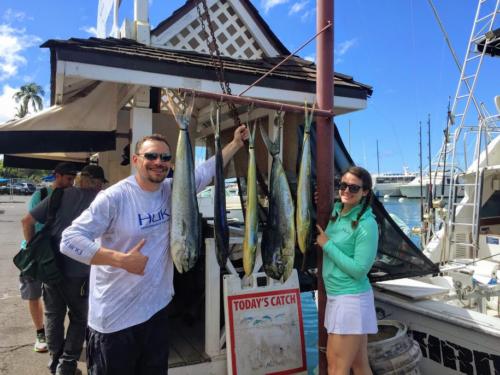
(351, 314)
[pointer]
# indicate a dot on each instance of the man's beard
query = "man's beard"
(158, 179)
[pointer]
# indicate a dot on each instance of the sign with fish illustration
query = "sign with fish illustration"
(265, 333)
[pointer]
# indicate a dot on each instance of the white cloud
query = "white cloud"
(307, 14)
(11, 15)
(297, 7)
(310, 58)
(268, 4)
(7, 104)
(12, 43)
(343, 47)
(89, 30)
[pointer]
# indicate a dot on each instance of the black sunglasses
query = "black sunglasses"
(352, 187)
(151, 156)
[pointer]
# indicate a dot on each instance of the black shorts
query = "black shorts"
(137, 350)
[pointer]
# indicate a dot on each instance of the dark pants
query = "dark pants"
(68, 296)
(137, 350)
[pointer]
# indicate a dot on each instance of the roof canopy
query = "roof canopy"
(86, 124)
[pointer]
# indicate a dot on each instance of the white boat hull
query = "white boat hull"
(413, 191)
(453, 340)
(390, 189)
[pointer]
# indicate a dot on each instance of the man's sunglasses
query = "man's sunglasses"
(352, 187)
(151, 156)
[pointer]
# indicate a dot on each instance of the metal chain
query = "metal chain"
(215, 56)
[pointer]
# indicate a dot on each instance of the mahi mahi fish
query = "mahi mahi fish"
(278, 238)
(221, 228)
(185, 228)
(304, 214)
(251, 222)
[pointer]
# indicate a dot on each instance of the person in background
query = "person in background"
(31, 290)
(71, 294)
(350, 244)
(132, 269)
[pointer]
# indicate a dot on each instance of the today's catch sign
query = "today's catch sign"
(258, 301)
(265, 327)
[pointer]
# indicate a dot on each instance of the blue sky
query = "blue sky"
(394, 45)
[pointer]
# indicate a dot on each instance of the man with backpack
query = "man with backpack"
(70, 294)
(31, 290)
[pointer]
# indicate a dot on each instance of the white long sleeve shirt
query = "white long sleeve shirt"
(121, 216)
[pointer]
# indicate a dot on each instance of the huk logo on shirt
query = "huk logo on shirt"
(147, 220)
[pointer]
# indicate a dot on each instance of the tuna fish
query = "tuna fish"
(221, 228)
(251, 219)
(304, 214)
(278, 238)
(185, 229)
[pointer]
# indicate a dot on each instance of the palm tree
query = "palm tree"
(30, 93)
(21, 111)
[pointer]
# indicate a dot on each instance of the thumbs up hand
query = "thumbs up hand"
(321, 238)
(134, 261)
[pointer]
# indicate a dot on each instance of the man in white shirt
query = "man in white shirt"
(131, 280)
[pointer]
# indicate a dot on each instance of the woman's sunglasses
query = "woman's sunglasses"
(352, 187)
(151, 156)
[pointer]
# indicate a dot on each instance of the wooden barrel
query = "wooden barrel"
(392, 352)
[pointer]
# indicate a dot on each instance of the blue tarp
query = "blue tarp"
(4, 179)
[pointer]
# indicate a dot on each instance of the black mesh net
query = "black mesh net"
(397, 255)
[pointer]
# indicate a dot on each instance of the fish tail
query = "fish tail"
(308, 118)
(251, 138)
(272, 147)
(216, 123)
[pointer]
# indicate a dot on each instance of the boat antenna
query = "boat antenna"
(421, 174)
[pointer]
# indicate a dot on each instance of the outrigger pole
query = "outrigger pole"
(324, 152)
(258, 102)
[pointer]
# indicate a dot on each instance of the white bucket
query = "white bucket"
(392, 352)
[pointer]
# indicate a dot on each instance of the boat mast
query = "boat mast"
(378, 160)
(421, 174)
(324, 152)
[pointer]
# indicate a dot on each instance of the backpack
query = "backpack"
(38, 260)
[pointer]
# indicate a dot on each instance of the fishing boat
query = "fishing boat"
(390, 184)
(439, 183)
(454, 315)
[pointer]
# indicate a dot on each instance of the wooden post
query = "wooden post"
(324, 147)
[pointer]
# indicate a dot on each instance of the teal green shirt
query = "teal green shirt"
(349, 253)
(35, 199)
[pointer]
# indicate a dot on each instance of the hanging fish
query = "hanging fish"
(251, 219)
(221, 228)
(278, 238)
(185, 228)
(304, 214)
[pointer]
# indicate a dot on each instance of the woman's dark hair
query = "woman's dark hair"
(366, 180)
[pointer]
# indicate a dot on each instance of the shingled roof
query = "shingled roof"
(296, 74)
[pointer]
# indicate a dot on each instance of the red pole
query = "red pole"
(324, 152)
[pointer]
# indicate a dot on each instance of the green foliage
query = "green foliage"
(30, 93)
(22, 173)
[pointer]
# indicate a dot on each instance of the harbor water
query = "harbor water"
(408, 210)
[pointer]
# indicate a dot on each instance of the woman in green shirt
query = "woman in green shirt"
(350, 246)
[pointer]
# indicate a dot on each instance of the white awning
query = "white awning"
(87, 124)
(46, 160)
